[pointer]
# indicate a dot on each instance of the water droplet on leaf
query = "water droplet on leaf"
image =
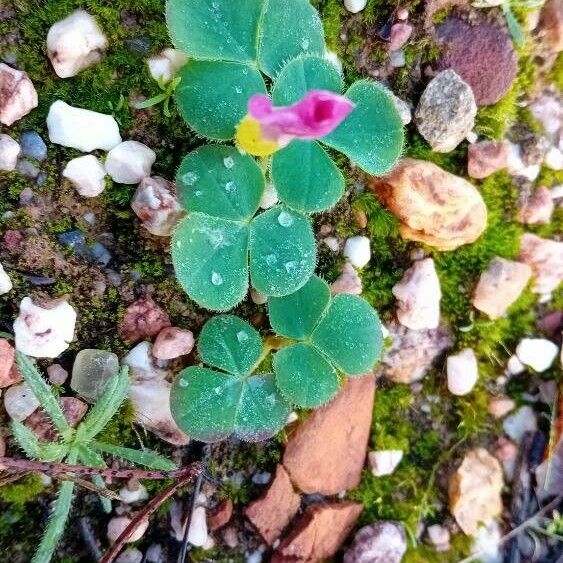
(216, 278)
(228, 162)
(230, 187)
(190, 178)
(271, 259)
(285, 219)
(242, 336)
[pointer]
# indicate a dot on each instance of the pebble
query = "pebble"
(332, 243)
(347, 282)
(499, 407)
(44, 333)
(33, 146)
(198, 534)
(173, 342)
(82, 129)
(131, 495)
(384, 462)
(143, 319)
(129, 162)
(257, 297)
(462, 372)
(99, 254)
(91, 372)
(439, 537)
(537, 208)
(27, 168)
(545, 256)
(57, 374)
(19, 402)
(522, 421)
(165, 66)
(75, 43)
(537, 353)
(118, 524)
(269, 197)
(486, 158)
(9, 152)
(9, 372)
(355, 6)
(358, 251)
(380, 542)
(5, 281)
(404, 109)
(554, 159)
(130, 555)
(514, 366)
(19, 96)
(487, 543)
(87, 175)
(397, 58)
(400, 33)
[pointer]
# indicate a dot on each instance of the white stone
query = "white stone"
(487, 543)
(355, 6)
(18, 95)
(44, 333)
(269, 197)
(142, 363)
(332, 243)
(81, 129)
(75, 43)
(5, 282)
(404, 109)
(522, 421)
(164, 66)
(20, 402)
(130, 555)
(257, 297)
(118, 524)
(514, 366)
(537, 353)
(198, 527)
(516, 167)
(129, 496)
(384, 462)
(554, 159)
(472, 137)
(462, 372)
(332, 58)
(130, 162)
(557, 192)
(439, 536)
(358, 251)
(419, 296)
(9, 151)
(87, 174)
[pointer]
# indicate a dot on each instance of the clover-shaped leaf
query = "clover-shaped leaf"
(341, 333)
(211, 405)
(219, 242)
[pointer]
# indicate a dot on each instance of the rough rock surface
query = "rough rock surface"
(382, 542)
(142, 319)
(129, 162)
(551, 24)
(434, 206)
(164, 66)
(500, 285)
(384, 462)
(413, 352)
(419, 294)
(486, 158)
(482, 54)
(17, 95)
(41, 425)
(19, 402)
(446, 111)
(347, 282)
(545, 257)
(474, 490)
(537, 208)
(221, 515)
(9, 152)
(87, 175)
(273, 511)
(75, 43)
(6, 363)
(173, 342)
(462, 372)
(326, 453)
(318, 533)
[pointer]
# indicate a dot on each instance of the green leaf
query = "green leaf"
(93, 459)
(33, 448)
(350, 335)
(215, 29)
(289, 28)
(513, 25)
(43, 393)
(106, 406)
(213, 96)
(306, 178)
(304, 376)
(372, 135)
(229, 343)
(303, 74)
(210, 259)
(282, 251)
(296, 315)
(210, 406)
(219, 181)
(147, 458)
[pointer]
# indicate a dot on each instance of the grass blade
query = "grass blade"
(92, 458)
(33, 448)
(146, 458)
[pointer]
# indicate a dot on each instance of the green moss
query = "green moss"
(460, 548)
(27, 489)
(555, 75)
(332, 12)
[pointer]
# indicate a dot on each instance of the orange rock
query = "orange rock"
(8, 375)
(326, 453)
(221, 515)
(434, 206)
(551, 23)
(273, 511)
(319, 533)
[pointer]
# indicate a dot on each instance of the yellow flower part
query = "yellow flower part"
(249, 138)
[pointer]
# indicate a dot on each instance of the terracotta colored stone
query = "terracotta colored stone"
(220, 515)
(319, 533)
(7, 353)
(434, 206)
(40, 424)
(273, 511)
(551, 24)
(327, 451)
(143, 319)
(486, 158)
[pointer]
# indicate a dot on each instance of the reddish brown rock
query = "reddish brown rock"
(143, 319)
(220, 515)
(486, 158)
(7, 353)
(538, 208)
(551, 24)
(482, 54)
(12, 239)
(17, 94)
(319, 533)
(327, 451)
(40, 423)
(272, 512)
(172, 342)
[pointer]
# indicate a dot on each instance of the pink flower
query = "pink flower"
(317, 114)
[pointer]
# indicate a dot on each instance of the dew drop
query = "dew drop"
(238, 89)
(242, 336)
(183, 383)
(230, 187)
(228, 162)
(305, 44)
(271, 259)
(198, 193)
(217, 390)
(216, 278)
(190, 178)
(290, 266)
(285, 219)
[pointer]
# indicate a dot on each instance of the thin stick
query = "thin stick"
(11, 477)
(57, 468)
(87, 485)
(189, 472)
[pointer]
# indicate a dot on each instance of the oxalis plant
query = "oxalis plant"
(258, 86)
(76, 446)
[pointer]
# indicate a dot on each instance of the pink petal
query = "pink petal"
(314, 116)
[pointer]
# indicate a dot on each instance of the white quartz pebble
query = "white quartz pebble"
(538, 353)
(358, 251)
(87, 174)
(130, 162)
(462, 372)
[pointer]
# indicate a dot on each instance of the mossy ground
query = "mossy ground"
(431, 438)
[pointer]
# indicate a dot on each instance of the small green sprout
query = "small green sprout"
(168, 89)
